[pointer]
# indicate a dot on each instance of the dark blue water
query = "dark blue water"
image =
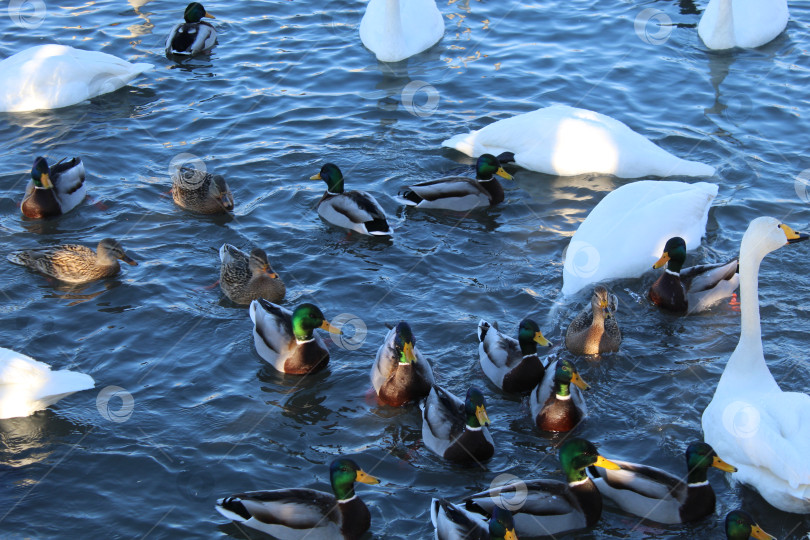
(289, 87)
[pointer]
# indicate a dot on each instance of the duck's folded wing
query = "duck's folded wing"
(542, 391)
(454, 523)
(359, 206)
(444, 414)
(706, 276)
(539, 498)
(272, 323)
(449, 187)
(295, 508)
(497, 347)
(648, 481)
(385, 361)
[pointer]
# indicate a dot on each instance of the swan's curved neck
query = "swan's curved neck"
(750, 331)
(393, 20)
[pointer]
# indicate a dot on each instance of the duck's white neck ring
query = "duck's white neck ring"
(698, 484)
(563, 398)
(670, 272)
(301, 342)
(479, 428)
(344, 501)
(579, 482)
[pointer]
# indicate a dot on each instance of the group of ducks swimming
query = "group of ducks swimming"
(453, 428)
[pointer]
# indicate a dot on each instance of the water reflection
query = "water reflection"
(142, 29)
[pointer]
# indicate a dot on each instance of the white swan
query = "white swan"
(54, 76)
(27, 386)
(395, 30)
(566, 141)
(750, 421)
(742, 23)
(626, 232)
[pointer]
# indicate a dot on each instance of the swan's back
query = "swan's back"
(742, 23)
(54, 76)
(27, 385)
(625, 233)
(397, 29)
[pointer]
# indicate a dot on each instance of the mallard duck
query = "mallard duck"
(512, 364)
(740, 526)
(27, 385)
(194, 36)
(455, 523)
(750, 421)
(74, 263)
(245, 278)
(566, 141)
(595, 330)
(555, 405)
(54, 76)
(397, 29)
(552, 507)
(659, 496)
(459, 192)
(54, 191)
(400, 373)
(298, 513)
(286, 340)
(625, 233)
(455, 429)
(354, 210)
(742, 23)
(201, 191)
(692, 289)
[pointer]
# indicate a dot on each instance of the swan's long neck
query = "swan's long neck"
(747, 362)
(393, 18)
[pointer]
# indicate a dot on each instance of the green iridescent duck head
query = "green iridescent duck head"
(577, 454)
(39, 174)
(195, 12)
(475, 408)
(330, 173)
(566, 374)
(740, 526)
(487, 166)
(343, 473)
(404, 343)
(306, 318)
(529, 336)
(674, 255)
(699, 457)
(502, 525)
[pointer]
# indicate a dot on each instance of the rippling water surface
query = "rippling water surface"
(289, 87)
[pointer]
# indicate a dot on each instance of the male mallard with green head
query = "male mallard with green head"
(246, 278)
(54, 191)
(512, 364)
(555, 404)
(692, 289)
(286, 340)
(455, 523)
(193, 35)
(741, 526)
(455, 429)
(200, 191)
(659, 496)
(552, 507)
(459, 192)
(595, 330)
(400, 374)
(301, 513)
(354, 210)
(75, 263)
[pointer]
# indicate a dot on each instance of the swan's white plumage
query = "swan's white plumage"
(625, 234)
(27, 385)
(54, 76)
(750, 421)
(397, 29)
(742, 23)
(566, 141)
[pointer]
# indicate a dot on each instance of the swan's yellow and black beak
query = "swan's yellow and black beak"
(722, 465)
(329, 328)
(662, 261)
(792, 236)
(366, 478)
